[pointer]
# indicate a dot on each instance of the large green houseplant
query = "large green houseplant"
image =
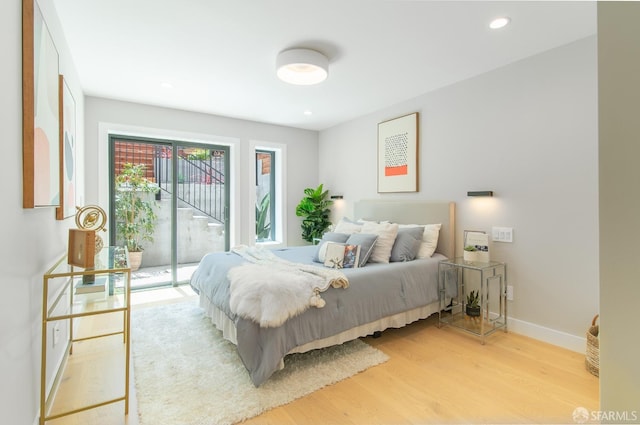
(314, 208)
(135, 215)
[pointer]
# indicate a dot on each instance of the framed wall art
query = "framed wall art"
(67, 142)
(41, 113)
(476, 246)
(398, 154)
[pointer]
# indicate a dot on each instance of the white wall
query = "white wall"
(527, 131)
(31, 239)
(301, 146)
(619, 92)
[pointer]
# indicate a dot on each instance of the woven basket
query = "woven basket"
(592, 360)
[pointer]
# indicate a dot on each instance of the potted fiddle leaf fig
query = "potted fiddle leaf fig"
(314, 208)
(134, 205)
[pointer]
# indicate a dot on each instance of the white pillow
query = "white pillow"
(387, 233)
(347, 226)
(429, 239)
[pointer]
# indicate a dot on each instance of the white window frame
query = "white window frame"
(280, 153)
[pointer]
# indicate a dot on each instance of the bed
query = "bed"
(379, 296)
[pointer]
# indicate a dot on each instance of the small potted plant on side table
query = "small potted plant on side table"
(472, 307)
(471, 253)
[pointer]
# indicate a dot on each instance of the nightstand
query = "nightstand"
(456, 279)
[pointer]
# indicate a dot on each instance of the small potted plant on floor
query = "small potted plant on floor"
(472, 307)
(135, 216)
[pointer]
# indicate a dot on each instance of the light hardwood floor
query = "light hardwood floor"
(434, 375)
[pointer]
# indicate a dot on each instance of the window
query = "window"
(266, 223)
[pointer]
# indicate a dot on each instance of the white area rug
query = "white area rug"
(187, 374)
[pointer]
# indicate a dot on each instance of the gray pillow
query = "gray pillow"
(329, 237)
(407, 244)
(366, 241)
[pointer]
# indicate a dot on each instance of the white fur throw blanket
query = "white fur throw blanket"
(269, 290)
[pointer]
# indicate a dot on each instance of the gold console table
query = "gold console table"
(69, 294)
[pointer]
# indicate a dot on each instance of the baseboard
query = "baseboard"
(552, 336)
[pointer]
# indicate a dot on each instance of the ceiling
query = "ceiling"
(218, 56)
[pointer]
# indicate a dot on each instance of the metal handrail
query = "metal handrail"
(200, 179)
(200, 182)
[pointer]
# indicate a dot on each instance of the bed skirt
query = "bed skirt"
(222, 322)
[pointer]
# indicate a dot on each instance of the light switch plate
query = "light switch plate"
(502, 234)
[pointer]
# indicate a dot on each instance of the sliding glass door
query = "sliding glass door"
(171, 199)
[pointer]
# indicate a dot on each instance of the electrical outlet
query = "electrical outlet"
(509, 292)
(56, 334)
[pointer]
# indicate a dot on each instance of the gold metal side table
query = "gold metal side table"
(66, 299)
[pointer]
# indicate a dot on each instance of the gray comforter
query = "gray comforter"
(375, 291)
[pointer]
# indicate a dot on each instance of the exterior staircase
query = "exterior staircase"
(197, 236)
(200, 179)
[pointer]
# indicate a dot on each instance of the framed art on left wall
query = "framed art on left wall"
(67, 142)
(40, 112)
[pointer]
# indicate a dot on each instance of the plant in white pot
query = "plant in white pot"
(471, 253)
(135, 216)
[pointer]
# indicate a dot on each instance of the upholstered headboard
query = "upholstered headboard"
(414, 212)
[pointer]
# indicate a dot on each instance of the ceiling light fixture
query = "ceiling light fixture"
(500, 22)
(302, 66)
(166, 85)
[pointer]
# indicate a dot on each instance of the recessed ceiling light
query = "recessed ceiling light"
(302, 66)
(500, 22)
(166, 85)
(308, 112)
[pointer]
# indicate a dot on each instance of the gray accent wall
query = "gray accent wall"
(619, 94)
(528, 131)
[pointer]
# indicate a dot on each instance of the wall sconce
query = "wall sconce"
(481, 193)
(336, 196)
